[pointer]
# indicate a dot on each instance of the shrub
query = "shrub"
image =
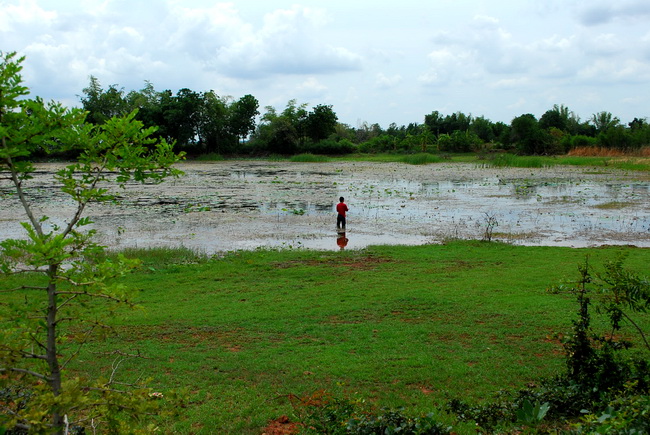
(378, 144)
(330, 147)
(625, 415)
(321, 413)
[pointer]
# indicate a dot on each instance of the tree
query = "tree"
(557, 117)
(483, 128)
(242, 116)
(434, 121)
(59, 271)
(103, 105)
(148, 103)
(212, 119)
(282, 133)
(320, 123)
(529, 137)
(604, 120)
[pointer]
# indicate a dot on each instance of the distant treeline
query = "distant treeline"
(204, 122)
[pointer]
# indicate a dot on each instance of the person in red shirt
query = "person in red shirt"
(341, 208)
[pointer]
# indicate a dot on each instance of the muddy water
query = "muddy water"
(226, 206)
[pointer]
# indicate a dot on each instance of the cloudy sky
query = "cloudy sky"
(374, 61)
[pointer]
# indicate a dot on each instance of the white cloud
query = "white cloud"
(385, 82)
(289, 42)
(311, 88)
(511, 83)
(627, 71)
(602, 12)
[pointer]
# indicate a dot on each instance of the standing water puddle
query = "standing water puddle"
(226, 206)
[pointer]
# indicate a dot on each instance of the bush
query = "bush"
(322, 413)
(378, 144)
(625, 415)
(395, 422)
(330, 147)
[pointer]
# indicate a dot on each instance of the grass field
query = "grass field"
(394, 326)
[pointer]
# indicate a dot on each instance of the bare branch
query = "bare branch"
(75, 283)
(95, 295)
(66, 302)
(82, 204)
(35, 340)
(25, 354)
(29, 372)
(23, 287)
(638, 328)
(83, 342)
(119, 352)
(21, 193)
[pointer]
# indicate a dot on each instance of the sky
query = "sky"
(373, 61)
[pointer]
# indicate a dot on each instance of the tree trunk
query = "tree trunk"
(52, 357)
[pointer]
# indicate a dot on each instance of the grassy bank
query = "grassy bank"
(624, 162)
(394, 326)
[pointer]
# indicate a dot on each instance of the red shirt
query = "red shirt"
(341, 208)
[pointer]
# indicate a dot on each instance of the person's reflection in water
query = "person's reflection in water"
(342, 241)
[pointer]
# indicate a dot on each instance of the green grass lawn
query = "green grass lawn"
(395, 326)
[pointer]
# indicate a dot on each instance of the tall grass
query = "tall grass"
(511, 160)
(421, 159)
(164, 256)
(309, 158)
(594, 151)
(514, 161)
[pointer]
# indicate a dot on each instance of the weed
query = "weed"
(490, 223)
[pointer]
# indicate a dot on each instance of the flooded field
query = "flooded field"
(232, 205)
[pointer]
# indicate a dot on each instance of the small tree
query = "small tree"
(45, 316)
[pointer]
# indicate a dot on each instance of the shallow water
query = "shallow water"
(225, 206)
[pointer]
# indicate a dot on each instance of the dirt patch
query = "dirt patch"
(232, 205)
(281, 426)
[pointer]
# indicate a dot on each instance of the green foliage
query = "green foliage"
(59, 271)
(580, 140)
(624, 415)
(531, 414)
(529, 137)
(379, 144)
(458, 141)
(320, 123)
(198, 122)
(322, 413)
